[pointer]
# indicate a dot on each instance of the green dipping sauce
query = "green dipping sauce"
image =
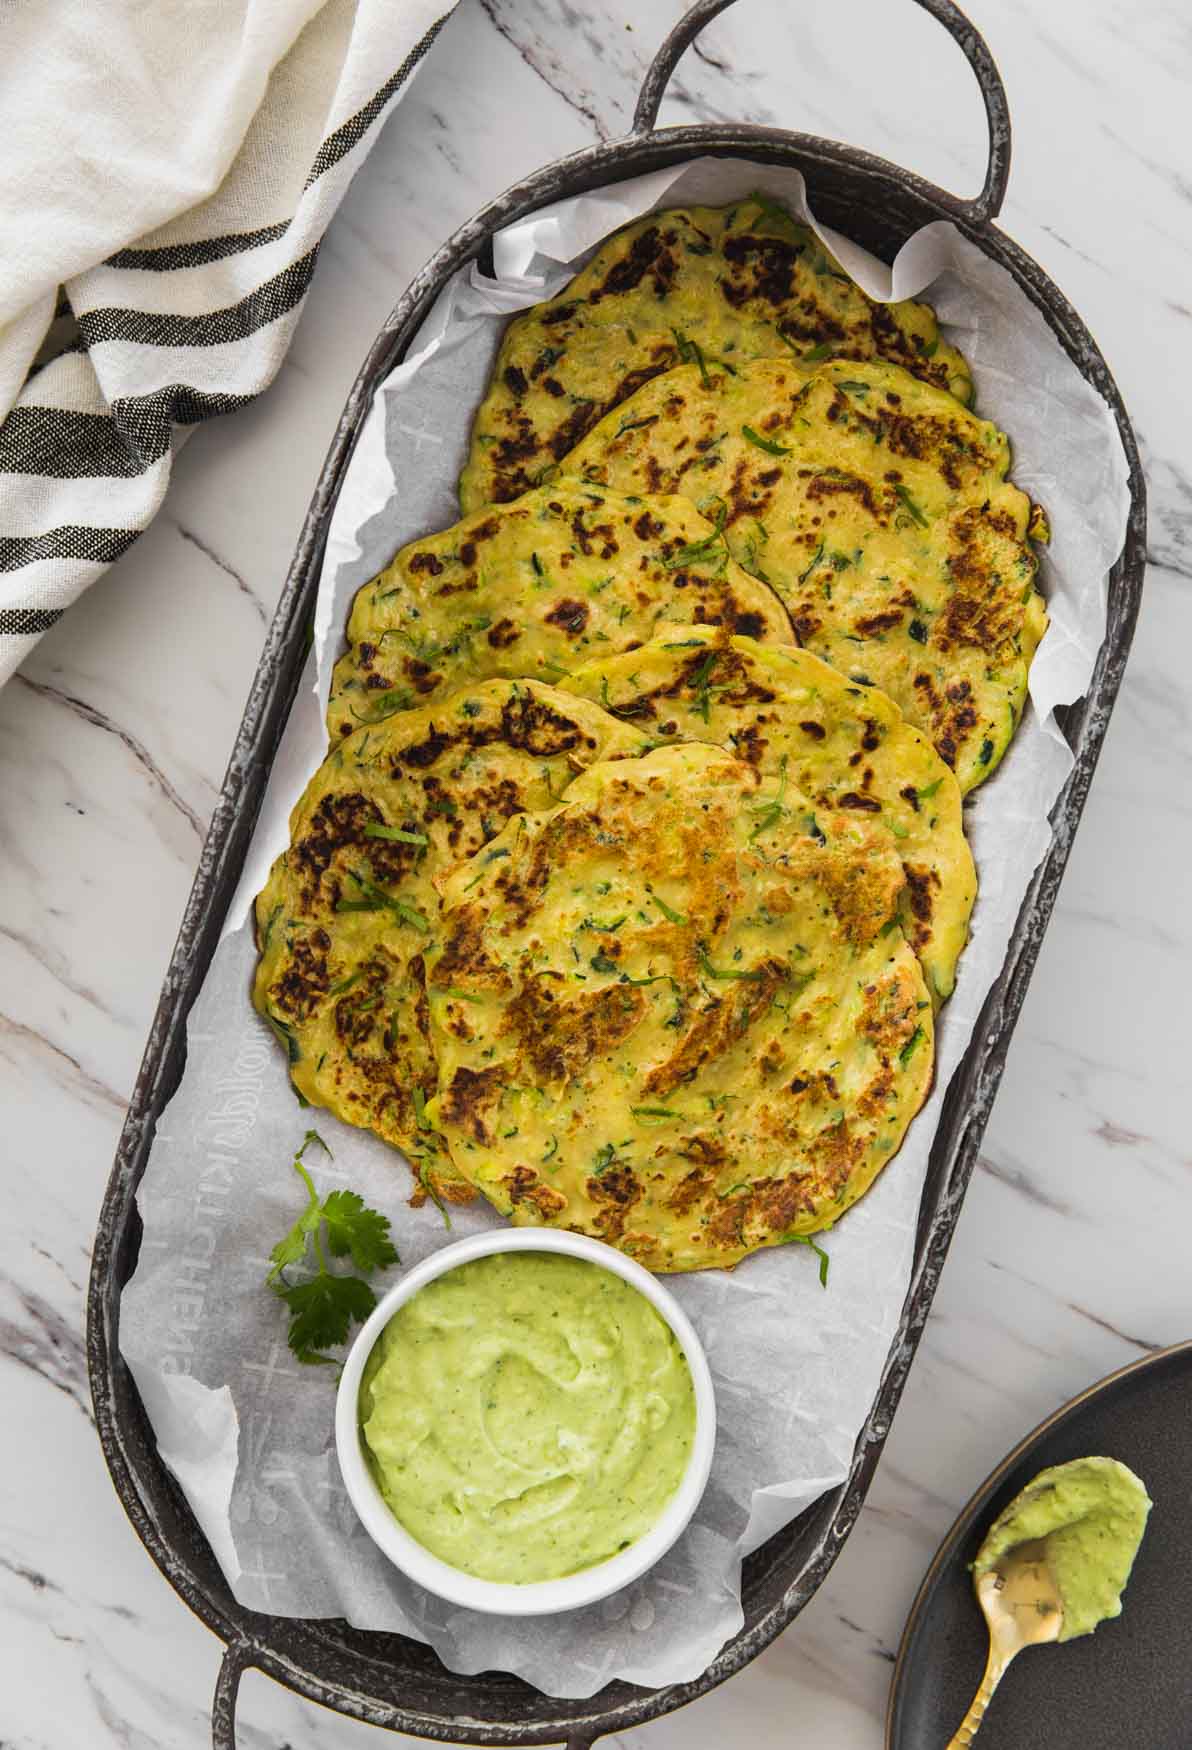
(1091, 1514)
(527, 1415)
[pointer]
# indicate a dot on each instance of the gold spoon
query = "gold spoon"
(1021, 1604)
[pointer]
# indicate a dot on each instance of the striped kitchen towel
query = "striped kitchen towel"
(168, 173)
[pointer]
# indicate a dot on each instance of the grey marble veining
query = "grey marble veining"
(1070, 1257)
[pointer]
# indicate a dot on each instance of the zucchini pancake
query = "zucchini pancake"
(658, 1026)
(350, 909)
(816, 735)
(702, 284)
(533, 589)
(877, 507)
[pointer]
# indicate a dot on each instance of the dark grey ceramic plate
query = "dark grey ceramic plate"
(1128, 1686)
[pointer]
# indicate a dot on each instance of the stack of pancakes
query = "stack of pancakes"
(636, 874)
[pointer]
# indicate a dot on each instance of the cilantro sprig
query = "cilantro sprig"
(324, 1307)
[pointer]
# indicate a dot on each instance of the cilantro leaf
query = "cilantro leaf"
(323, 1308)
(322, 1311)
(352, 1227)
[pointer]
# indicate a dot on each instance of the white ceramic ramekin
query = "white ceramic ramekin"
(538, 1597)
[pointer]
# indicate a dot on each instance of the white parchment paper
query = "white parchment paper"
(246, 1430)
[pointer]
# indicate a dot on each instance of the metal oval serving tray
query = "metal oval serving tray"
(386, 1679)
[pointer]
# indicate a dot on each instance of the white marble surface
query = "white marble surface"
(1071, 1255)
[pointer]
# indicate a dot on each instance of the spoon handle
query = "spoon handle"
(970, 1725)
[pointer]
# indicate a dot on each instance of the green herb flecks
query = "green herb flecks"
(815, 559)
(701, 684)
(807, 1240)
(668, 911)
(698, 552)
(763, 443)
(385, 704)
(725, 972)
(284, 1032)
(772, 810)
(912, 1045)
(634, 424)
(396, 834)
(609, 1155)
(654, 1114)
(692, 353)
(374, 898)
(909, 505)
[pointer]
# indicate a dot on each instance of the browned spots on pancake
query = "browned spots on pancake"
(467, 1098)
(647, 527)
(503, 634)
(834, 1155)
(306, 979)
(562, 1035)
(874, 624)
(765, 268)
(561, 312)
(531, 723)
(578, 423)
(425, 562)
(953, 715)
(863, 890)
(649, 255)
(421, 676)
(778, 1204)
(891, 342)
(921, 886)
(816, 731)
(524, 1186)
(726, 1225)
(465, 956)
(865, 804)
(569, 615)
(515, 381)
(616, 1191)
(691, 1189)
(338, 820)
(358, 1011)
(831, 483)
(890, 1013)
(716, 1028)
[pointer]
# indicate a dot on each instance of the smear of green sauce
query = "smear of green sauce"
(1091, 1514)
(527, 1415)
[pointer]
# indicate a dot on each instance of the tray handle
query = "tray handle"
(236, 1661)
(980, 211)
(238, 1658)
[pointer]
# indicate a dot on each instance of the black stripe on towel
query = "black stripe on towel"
(197, 254)
(71, 446)
(276, 297)
(341, 142)
(27, 622)
(68, 541)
